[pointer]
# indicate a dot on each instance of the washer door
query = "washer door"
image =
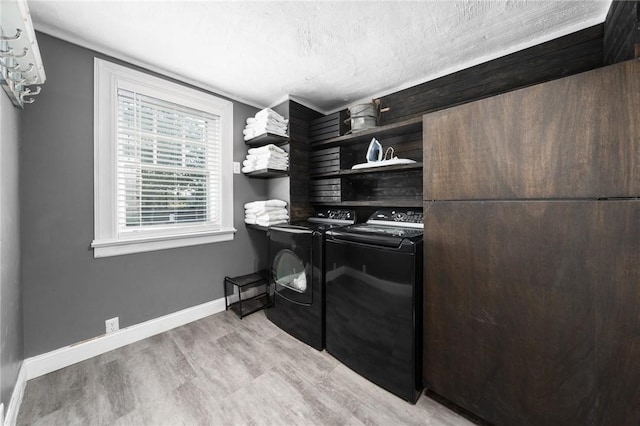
(291, 266)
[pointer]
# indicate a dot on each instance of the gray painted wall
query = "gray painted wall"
(67, 293)
(11, 342)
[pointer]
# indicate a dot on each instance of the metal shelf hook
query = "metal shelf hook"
(9, 53)
(28, 91)
(9, 38)
(11, 68)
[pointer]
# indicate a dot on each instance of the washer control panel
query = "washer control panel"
(398, 217)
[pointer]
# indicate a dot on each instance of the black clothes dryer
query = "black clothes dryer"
(296, 254)
(374, 299)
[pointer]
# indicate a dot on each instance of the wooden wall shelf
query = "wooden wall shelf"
(267, 174)
(397, 185)
(396, 129)
(257, 227)
(267, 138)
(373, 203)
(383, 169)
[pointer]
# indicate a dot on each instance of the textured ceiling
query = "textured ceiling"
(325, 54)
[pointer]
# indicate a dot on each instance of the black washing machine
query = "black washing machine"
(296, 254)
(374, 299)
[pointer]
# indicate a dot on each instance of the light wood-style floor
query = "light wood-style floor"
(219, 371)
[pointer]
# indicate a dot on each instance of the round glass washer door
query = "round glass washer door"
(289, 271)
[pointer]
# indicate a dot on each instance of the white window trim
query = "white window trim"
(106, 242)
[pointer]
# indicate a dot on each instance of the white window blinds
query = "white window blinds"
(168, 164)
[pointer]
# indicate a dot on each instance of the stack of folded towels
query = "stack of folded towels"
(266, 213)
(266, 157)
(266, 120)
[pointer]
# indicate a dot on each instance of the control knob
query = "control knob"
(400, 217)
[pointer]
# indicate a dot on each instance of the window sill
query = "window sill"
(107, 248)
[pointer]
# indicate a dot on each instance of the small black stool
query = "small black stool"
(244, 307)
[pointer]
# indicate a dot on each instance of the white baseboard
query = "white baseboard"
(16, 397)
(51, 361)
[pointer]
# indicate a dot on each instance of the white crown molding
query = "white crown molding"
(300, 101)
(512, 49)
(486, 58)
(53, 32)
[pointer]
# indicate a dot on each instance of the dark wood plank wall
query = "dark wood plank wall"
(299, 147)
(622, 32)
(571, 54)
(564, 56)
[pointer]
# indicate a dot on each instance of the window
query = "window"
(163, 164)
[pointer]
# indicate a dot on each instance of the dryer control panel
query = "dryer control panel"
(338, 216)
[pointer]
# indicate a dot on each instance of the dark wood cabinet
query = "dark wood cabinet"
(532, 310)
(576, 137)
(617, 309)
(532, 243)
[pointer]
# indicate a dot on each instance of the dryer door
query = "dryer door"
(291, 266)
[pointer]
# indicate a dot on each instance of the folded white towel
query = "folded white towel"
(259, 209)
(266, 219)
(271, 217)
(253, 121)
(266, 203)
(268, 155)
(267, 160)
(266, 120)
(255, 135)
(265, 129)
(266, 149)
(264, 126)
(269, 222)
(260, 128)
(268, 112)
(265, 210)
(270, 165)
(265, 163)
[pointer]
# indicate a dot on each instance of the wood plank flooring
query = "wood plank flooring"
(219, 371)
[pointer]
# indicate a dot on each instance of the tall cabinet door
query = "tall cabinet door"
(575, 137)
(617, 302)
(532, 309)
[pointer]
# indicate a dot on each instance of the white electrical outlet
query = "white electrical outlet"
(112, 325)
(236, 168)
